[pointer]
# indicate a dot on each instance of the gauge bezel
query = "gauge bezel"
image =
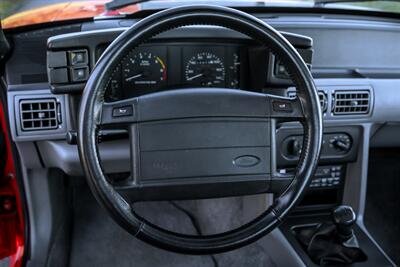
(157, 55)
(205, 69)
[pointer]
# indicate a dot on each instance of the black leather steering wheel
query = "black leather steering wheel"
(197, 142)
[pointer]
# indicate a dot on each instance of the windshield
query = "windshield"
(387, 6)
(14, 13)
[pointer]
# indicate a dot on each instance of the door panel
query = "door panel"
(11, 214)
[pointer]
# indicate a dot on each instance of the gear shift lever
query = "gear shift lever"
(333, 242)
(344, 218)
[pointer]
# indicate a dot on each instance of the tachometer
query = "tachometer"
(114, 91)
(205, 69)
(144, 70)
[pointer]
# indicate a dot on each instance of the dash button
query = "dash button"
(282, 106)
(122, 111)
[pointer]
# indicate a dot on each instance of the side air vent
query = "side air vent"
(351, 102)
(322, 99)
(39, 114)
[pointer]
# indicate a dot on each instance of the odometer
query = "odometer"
(205, 69)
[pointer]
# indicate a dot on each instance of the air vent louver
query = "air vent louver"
(39, 114)
(323, 101)
(351, 102)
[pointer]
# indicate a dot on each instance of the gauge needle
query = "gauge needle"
(194, 77)
(134, 77)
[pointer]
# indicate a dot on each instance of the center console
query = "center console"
(339, 148)
(312, 229)
(374, 256)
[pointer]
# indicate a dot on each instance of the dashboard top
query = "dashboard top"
(348, 56)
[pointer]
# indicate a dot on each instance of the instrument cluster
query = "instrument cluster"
(157, 67)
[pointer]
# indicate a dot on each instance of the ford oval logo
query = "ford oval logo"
(246, 161)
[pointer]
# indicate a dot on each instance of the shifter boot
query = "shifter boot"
(325, 247)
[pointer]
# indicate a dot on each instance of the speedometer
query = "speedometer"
(144, 70)
(205, 69)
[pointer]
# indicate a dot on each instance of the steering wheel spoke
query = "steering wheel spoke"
(279, 183)
(285, 109)
(121, 113)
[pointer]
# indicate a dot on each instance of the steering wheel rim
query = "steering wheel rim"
(92, 113)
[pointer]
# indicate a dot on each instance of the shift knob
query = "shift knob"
(344, 217)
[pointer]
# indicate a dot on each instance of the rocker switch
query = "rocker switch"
(122, 111)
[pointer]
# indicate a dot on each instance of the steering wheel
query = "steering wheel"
(199, 142)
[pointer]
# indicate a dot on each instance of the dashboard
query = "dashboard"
(352, 86)
(157, 67)
(196, 57)
(201, 57)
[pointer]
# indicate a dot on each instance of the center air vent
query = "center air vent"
(39, 114)
(351, 102)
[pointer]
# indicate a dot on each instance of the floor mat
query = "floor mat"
(382, 217)
(99, 241)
